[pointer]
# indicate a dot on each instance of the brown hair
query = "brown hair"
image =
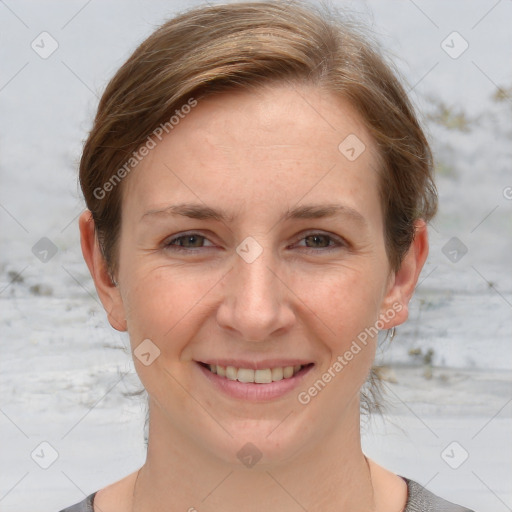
(217, 48)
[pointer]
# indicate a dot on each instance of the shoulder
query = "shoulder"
(116, 496)
(84, 506)
(420, 499)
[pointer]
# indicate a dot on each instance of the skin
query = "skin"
(255, 154)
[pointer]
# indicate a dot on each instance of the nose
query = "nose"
(256, 302)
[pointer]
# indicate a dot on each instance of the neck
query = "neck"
(331, 475)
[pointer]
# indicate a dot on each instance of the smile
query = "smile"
(263, 376)
(257, 385)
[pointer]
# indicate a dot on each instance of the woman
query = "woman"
(258, 189)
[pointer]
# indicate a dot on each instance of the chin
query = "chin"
(260, 444)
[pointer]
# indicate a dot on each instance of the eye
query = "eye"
(320, 242)
(185, 242)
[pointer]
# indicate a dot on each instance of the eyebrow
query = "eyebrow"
(203, 212)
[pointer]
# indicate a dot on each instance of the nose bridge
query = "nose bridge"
(254, 304)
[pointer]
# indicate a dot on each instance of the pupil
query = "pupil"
(316, 238)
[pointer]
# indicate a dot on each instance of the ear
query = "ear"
(108, 292)
(395, 306)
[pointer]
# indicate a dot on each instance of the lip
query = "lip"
(256, 365)
(250, 391)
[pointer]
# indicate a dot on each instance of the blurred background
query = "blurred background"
(71, 421)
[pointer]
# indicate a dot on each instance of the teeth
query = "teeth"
(263, 376)
(277, 374)
(258, 376)
(231, 372)
(288, 371)
(245, 375)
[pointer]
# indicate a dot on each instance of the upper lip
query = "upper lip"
(256, 365)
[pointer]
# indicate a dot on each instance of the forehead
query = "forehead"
(258, 151)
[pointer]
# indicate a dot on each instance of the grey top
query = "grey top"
(418, 500)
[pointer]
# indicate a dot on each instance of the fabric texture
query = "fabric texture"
(418, 500)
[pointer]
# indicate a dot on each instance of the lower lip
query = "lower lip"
(252, 391)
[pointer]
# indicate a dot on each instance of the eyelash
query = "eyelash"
(338, 243)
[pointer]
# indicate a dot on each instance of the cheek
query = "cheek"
(165, 307)
(345, 299)
(163, 303)
(346, 311)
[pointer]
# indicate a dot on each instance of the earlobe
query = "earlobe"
(108, 292)
(405, 279)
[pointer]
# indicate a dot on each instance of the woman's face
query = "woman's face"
(256, 289)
